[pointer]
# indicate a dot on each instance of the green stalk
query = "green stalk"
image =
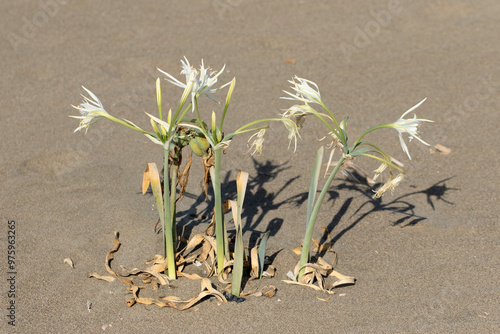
(304, 258)
(117, 120)
(173, 191)
(220, 230)
(370, 130)
(239, 250)
(169, 242)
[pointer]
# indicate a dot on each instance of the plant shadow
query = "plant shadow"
(259, 202)
(399, 205)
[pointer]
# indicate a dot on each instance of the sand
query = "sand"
(425, 258)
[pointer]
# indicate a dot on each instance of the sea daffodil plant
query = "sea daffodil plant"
(307, 93)
(172, 135)
(209, 143)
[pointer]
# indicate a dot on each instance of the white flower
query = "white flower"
(409, 126)
(303, 91)
(293, 131)
(257, 143)
(297, 113)
(202, 81)
(91, 110)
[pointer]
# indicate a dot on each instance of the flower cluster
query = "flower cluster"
(201, 82)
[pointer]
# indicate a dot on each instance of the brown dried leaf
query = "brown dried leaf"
(326, 233)
(110, 255)
(342, 279)
(159, 264)
(326, 299)
(150, 175)
(184, 177)
(324, 264)
(104, 278)
(69, 262)
(297, 250)
(270, 272)
(254, 260)
(438, 148)
(195, 241)
(208, 162)
(171, 298)
(270, 293)
(309, 286)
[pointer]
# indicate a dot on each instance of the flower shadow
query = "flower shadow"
(259, 202)
(399, 205)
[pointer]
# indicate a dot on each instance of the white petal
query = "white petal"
(413, 108)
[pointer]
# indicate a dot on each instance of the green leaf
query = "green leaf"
(236, 207)
(313, 187)
(345, 122)
(361, 151)
(262, 252)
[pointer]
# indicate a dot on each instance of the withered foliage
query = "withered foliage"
(200, 248)
(318, 275)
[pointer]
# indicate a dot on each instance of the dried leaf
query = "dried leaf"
(438, 148)
(271, 292)
(270, 272)
(325, 299)
(254, 260)
(208, 162)
(104, 278)
(152, 176)
(69, 262)
(184, 177)
(110, 255)
(159, 264)
(195, 241)
(309, 286)
(342, 279)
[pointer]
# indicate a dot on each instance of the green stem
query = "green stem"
(342, 137)
(304, 258)
(370, 130)
(174, 171)
(169, 242)
(117, 120)
(220, 230)
(242, 129)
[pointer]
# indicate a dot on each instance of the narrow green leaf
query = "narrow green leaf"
(236, 207)
(313, 187)
(345, 122)
(361, 151)
(238, 251)
(262, 252)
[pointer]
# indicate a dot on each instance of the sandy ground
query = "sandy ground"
(426, 258)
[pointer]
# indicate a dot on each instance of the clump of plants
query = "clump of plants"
(203, 133)
(175, 131)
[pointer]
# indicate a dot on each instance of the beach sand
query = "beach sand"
(425, 258)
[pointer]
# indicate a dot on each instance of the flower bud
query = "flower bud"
(200, 146)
